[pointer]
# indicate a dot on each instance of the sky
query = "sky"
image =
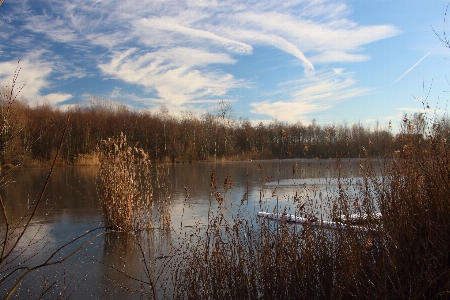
(332, 61)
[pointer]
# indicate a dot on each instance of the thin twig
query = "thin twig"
(48, 263)
(41, 196)
(5, 241)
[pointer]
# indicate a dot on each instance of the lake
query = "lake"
(111, 265)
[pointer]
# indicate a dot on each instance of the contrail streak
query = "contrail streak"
(409, 70)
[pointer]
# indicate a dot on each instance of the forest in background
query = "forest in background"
(32, 135)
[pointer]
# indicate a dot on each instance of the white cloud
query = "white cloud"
(33, 73)
(56, 98)
(177, 49)
(320, 39)
(33, 76)
(108, 40)
(170, 25)
(312, 31)
(174, 74)
(337, 56)
(312, 94)
(290, 48)
(56, 29)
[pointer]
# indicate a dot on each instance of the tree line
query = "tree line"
(32, 135)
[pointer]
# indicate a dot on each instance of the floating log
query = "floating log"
(301, 220)
(359, 218)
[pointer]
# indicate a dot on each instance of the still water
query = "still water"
(111, 265)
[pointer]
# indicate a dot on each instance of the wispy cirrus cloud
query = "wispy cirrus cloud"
(311, 94)
(174, 74)
(177, 52)
(187, 33)
(56, 29)
(33, 75)
(337, 55)
(236, 27)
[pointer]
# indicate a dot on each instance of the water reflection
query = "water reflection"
(114, 266)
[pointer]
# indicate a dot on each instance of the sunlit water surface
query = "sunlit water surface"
(111, 265)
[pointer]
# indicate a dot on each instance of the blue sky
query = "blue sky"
(293, 60)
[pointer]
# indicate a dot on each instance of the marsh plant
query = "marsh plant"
(126, 188)
(403, 255)
(162, 193)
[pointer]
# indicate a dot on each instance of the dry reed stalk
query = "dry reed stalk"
(406, 254)
(163, 201)
(124, 186)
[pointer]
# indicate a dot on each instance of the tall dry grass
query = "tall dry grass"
(241, 260)
(124, 186)
(405, 255)
(416, 209)
(128, 191)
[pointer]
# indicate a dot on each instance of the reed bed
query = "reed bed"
(133, 195)
(403, 255)
(267, 260)
(162, 192)
(124, 186)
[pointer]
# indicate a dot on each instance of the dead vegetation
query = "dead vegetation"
(403, 255)
(126, 189)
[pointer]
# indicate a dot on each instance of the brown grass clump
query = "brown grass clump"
(403, 255)
(163, 196)
(124, 187)
(267, 260)
(416, 208)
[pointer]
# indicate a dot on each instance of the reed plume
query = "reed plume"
(124, 185)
